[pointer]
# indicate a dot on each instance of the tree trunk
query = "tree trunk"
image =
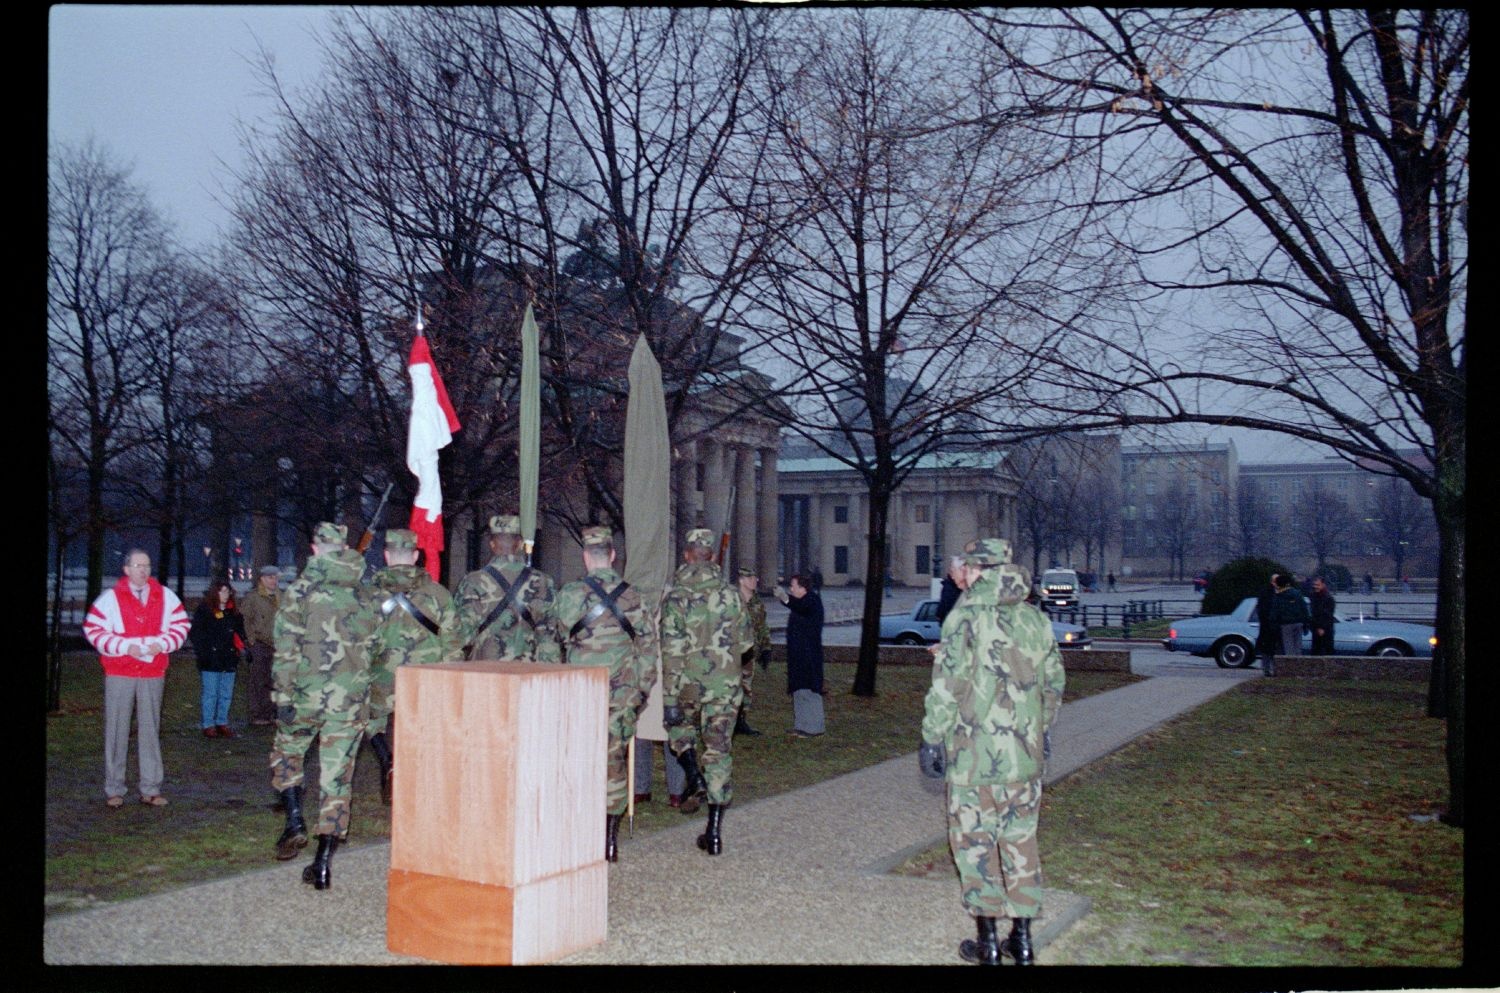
(875, 550)
(1447, 697)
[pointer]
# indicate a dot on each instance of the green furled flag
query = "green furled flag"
(648, 474)
(530, 455)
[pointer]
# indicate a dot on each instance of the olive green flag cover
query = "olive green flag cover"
(530, 455)
(648, 474)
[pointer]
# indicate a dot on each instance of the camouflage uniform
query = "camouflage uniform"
(760, 633)
(997, 685)
(704, 632)
(528, 635)
(598, 639)
(401, 638)
(321, 675)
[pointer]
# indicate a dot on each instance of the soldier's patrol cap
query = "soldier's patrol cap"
(987, 552)
(328, 533)
(598, 536)
(702, 537)
(505, 524)
(269, 570)
(747, 571)
(401, 539)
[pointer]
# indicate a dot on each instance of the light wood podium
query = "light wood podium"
(497, 812)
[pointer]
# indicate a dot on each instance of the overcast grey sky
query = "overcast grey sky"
(162, 87)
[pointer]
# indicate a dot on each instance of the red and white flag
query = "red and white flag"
(433, 422)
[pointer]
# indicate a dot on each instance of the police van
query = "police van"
(1059, 588)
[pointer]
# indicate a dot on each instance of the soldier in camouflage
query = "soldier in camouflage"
(704, 634)
(760, 651)
(320, 684)
(997, 686)
(419, 626)
(603, 622)
(506, 607)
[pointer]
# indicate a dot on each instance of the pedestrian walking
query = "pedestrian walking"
(603, 622)
(997, 686)
(324, 640)
(1290, 614)
(1268, 635)
(704, 634)
(1323, 620)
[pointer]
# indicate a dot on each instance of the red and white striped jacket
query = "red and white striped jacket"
(118, 620)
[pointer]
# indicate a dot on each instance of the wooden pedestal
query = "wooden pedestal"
(497, 812)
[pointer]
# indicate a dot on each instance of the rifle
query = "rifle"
(369, 535)
(727, 533)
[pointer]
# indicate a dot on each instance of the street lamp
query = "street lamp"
(208, 561)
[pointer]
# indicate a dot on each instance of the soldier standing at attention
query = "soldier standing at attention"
(419, 626)
(704, 635)
(505, 609)
(603, 622)
(321, 685)
(997, 685)
(259, 608)
(760, 651)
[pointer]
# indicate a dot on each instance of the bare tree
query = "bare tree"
(1398, 523)
(1322, 523)
(104, 255)
(1297, 181)
(1176, 523)
(891, 253)
(1254, 521)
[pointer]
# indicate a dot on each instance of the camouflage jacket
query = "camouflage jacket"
(529, 635)
(324, 637)
(997, 683)
(401, 638)
(704, 631)
(631, 661)
(760, 628)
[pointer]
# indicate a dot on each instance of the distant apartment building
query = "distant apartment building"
(1177, 507)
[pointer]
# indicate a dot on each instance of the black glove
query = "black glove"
(671, 717)
(933, 759)
(1046, 745)
(765, 661)
(286, 713)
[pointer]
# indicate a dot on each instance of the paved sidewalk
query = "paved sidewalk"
(802, 880)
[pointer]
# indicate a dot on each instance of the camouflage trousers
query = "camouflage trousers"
(623, 701)
(708, 727)
(992, 834)
(747, 674)
(382, 700)
(338, 743)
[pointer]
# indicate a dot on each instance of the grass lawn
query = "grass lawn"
(220, 820)
(1285, 823)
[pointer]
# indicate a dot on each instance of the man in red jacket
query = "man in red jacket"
(134, 627)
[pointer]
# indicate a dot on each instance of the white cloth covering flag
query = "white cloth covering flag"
(433, 422)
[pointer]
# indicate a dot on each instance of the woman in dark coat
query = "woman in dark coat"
(218, 637)
(804, 656)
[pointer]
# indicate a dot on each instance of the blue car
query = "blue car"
(920, 627)
(1229, 639)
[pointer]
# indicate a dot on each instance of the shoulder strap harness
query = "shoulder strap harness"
(509, 594)
(399, 599)
(607, 601)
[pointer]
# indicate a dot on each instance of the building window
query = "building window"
(841, 514)
(924, 559)
(841, 559)
(923, 514)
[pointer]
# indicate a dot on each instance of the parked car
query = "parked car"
(1059, 588)
(1229, 639)
(920, 626)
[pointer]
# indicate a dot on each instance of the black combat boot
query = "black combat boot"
(986, 949)
(742, 726)
(1018, 945)
(709, 840)
(381, 745)
(294, 838)
(612, 837)
(696, 789)
(319, 871)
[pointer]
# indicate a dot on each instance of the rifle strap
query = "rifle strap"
(508, 593)
(607, 601)
(399, 599)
